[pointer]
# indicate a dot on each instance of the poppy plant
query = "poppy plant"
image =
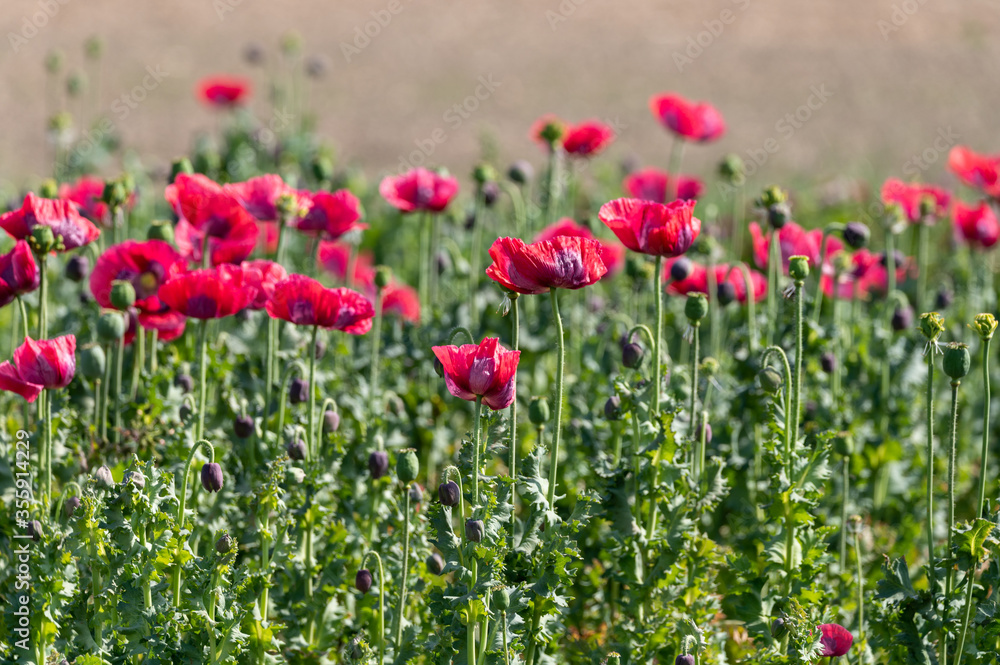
(979, 171)
(652, 228)
(692, 121)
(612, 253)
(264, 275)
(259, 196)
(332, 214)
(70, 228)
(565, 262)
(652, 185)
(223, 227)
(697, 281)
(146, 265)
(793, 240)
(223, 91)
(18, 273)
(835, 640)
(87, 193)
(419, 190)
(917, 201)
(976, 225)
(588, 138)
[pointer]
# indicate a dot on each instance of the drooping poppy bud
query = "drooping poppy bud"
(681, 269)
(160, 230)
(331, 420)
(902, 318)
(726, 292)
(104, 478)
(708, 432)
(407, 465)
(843, 444)
(613, 408)
(435, 564)
(632, 355)
(224, 544)
(521, 172)
(378, 464)
(956, 361)
(70, 506)
(243, 426)
(770, 380)
(944, 298)
(211, 477)
(828, 361)
(135, 479)
(779, 628)
(363, 580)
(448, 493)
(856, 235)
(35, 530)
(77, 268)
(185, 382)
(475, 530)
(296, 449)
(298, 391)
(383, 276)
(684, 659)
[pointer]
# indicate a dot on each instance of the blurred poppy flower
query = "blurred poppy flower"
(977, 225)
(63, 217)
(794, 241)
(232, 231)
(565, 262)
(651, 185)
(18, 273)
(868, 276)
(267, 237)
(697, 281)
(332, 214)
(39, 365)
(304, 301)
(335, 258)
(259, 196)
(652, 228)
(401, 300)
(87, 193)
(588, 138)
(612, 253)
(419, 189)
(835, 640)
(976, 170)
(264, 275)
(694, 121)
(486, 370)
(212, 293)
(223, 91)
(189, 193)
(912, 197)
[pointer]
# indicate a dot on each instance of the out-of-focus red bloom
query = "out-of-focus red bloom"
(223, 91)
(868, 276)
(189, 193)
(232, 231)
(332, 214)
(86, 193)
(18, 273)
(168, 324)
(835, 639)
(612, 253)
(588, 138)
(652, 228)
(335, 257)
(212, 293)
(485, 370)
(910, 197)
(63, 217)
(267, 238)
(976, 170)
(697, 281)
(146, 265)
(976, 225)
(694, 121)
(304, 301)
(419, 190)
(565, 262)
(794, 241)
(259, 196)
(264, 275)
(651, 185)
(401, 300)
(47, 363)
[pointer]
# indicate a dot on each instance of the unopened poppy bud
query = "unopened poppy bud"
(435, 564)
(243, 426)
(211, 477)
(35, 530)
(696, 307)
(253, 54)
(798, 268)
(179, 166)
(103, 477)
(483, 173)
(779, 628)
(224, 544)
(538, 411)
(298, 391)
(614, 658)
(136, 479)
(928, 206)
(501, 599)
(843, 444)
(732, 169)
(613, 408)
(49, 189)
(490, 191)
(448, 493)
(708, 432)
(53, 61)
(91, 361)
(383, 276)
(632, 355)
(93, 48)
(944, 298)
(160, 229)
(475, 530)
(956, 361)
(115, 193)
(322, 168)
(43, 240)
(296, 449)
(521, 172)
(122, 294)
(416, 493)
(726, 292)
(684, 659)
(931, 325)
(77, 268)
(295, 475)
(70, 506)
(378, 464)
(902, 318)
(185, 382)
(552, 132)
(828, 362)
(363, 580)
(680, 269)
(985, 325)
(331, 420)
(111, 326)
(438, 368)
(856, 235)
(770, 380)
(407, 465)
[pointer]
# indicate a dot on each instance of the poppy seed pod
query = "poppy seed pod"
(483, 173)
(856, 235)
(681, 269)
(684, 659)
(985, 325)
(732, 169)
(136, 479)
(185, 382)
(77, 268)
(696, 307)
(931, 325)
(448, 493)
(298, 391)
(322, 168)
(179, 166)
(243, 426)
(223, 544)
(115, 193)
(521, 172)
(632, 355)
(70, 506)
(43, 239)
(91, 361)
(726, 292)
(104, 478)
(779, 628)
(160, 230)
(435, 564)
(613, 408)
(407, 465)
(331, 420)
(770, 380)
(35, 530)
(378, 464)
(614, 658)
(363, 580)
(475, 530)
(798, 268)
(296, 449)
(902, 318)
(501, 599)
(538, 411)
(383, 276)
(111, 327)
(956, 361)
(211, 477)
(828, 362)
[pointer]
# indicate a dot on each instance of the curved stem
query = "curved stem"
(971, 580)
(210, 450)
(460, 330)
(446, 476)
(930, 473)
(657, 338)
(381, 604)
(788, 397)
(981, 506)
(71, 485)
(406, 566)
(199, 431)
(560, 364)
(293, 366)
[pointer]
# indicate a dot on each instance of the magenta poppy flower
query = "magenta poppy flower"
(63, 217)
(697, 281)
(694, 121)
(189, 193)
(223, 91)
(332, 214)
(419, 190)
(87, 193)
(486, 370)
(232, 232)
(835, 640)
(612, 253)
(588, 138)
(652, 228)
(259, 196)
(401, 300)
(18, 273)
(981, 172)
(39, 365)
(335, 258)
(146, 265)
(794, 241)
(213, 293)
(652, 184)
(305, 302)
(565, 262)
(976, 225)
(264, 275)
(910, 198)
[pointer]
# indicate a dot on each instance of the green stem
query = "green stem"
(376, 411)
(47, 433)
(845, 488)
(922, 248)
(981, 506)
(950, 573)
(43, 297)
(971, 578)
(751, 307)
(930, 472)
(201, 443)
(293, 366)
(381, 604)
(861, 594)
(119, 358)
(265, 563)
(311, 432)
(424, 267)
(154, 347)
(269, 371)
(212, 646)
(797, 392)
(202, 376)
(693, 427)
(477, 444)
(515, 334)
(788, 399)
(818, 299)
(503, 627)
(406, 567)
(138, 360)
(102, 432)
(657, 337)
(95, 591)
(773, 273)
(561, 361)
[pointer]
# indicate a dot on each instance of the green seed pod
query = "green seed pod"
(322, 168)
(484, 173)
(696, 307)
(111, 327)
(179, 166)
(383, 275)
(407, 465)
(501, 599)
(538, 411)
(49, 189)
(115, 193)
(732, 169)
(91, 361)
(122, 294)
(614, 658)
(779, 628)
(160, 230)
(770, 380)
(43, 240)
(798, 268)
(985, 325)
(709, 367)
(956, 361)
(931, 325)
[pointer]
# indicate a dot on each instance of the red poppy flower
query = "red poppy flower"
(168, 324)
(588, 138)
(267, 237)
(835, 640)
(910, 198)
(612, 253)
(259, 196)
(212, 293)
(794, 241)
(146, 265)
(652, 228)
(651, 185)
(401, 300)
(975, 170)
(189, 193)
(335, 257)
(565, 262)
(86, 193)
(485, 370)
(419, 189)
(304, 301)
(332, 214)
(547, 129)
(63, 217)
(695, 121)
(264, 275)
(223, 91)
(47, 363)
(232, 231)
(18, 273)
(977, 225)
(697, 281)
